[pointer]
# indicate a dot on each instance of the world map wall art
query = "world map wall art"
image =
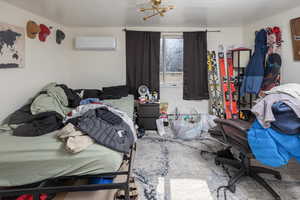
(12, 46)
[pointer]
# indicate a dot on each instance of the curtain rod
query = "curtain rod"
(214, 31)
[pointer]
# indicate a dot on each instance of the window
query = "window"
(171, 62)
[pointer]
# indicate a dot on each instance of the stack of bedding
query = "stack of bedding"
(27, 160)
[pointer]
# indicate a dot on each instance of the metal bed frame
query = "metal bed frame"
(42, 188)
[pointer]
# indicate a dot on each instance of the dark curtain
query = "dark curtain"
(142, 60)
(195, 77)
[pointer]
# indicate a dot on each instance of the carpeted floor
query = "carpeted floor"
(175, 170)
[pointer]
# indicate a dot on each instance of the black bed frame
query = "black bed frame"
(42, 188)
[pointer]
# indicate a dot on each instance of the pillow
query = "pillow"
(109, 96)
(116, 91)
(79, 93)
(90, 93)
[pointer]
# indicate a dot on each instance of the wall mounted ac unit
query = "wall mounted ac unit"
(95, 43)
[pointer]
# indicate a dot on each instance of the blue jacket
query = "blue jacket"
(273, 148)
(254, 73)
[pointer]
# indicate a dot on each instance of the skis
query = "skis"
(224, 83)
(215, 92)
(231, 84)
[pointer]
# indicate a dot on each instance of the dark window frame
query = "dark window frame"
(163, 81)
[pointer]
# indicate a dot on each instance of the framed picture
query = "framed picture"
(295, 30)
(12, 46)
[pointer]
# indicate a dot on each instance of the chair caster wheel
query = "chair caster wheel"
(278, 177)
(232, 188)
(217, 163)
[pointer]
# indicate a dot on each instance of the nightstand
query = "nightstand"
(147, 114)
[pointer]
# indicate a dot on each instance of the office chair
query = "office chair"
(234, 133)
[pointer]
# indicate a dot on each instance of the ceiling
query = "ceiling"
(96, 13)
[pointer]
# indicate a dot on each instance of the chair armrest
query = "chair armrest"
(242, 126)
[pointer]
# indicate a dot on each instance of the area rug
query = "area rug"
(171, 170)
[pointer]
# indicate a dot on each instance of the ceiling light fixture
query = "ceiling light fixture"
(157, 9)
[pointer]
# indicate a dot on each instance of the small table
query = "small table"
(147, 114)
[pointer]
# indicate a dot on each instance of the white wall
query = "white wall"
(290, 68)
(45, 62)
(97, 69)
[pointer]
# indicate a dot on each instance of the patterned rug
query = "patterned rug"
(171, 170)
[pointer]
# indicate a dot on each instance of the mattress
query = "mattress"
(29, 160)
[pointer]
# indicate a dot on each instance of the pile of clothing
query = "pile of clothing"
(79, 117)
(274, 136)
(263, 70)
(45, 112)
(100, 123)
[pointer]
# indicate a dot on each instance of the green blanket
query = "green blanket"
(125, 104)
(29, 160)
(54, 99)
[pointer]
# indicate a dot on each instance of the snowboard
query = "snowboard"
(224, 83)
(233, 95)
(215, 92)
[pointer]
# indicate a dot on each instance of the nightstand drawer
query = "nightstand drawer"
(148, 110)
(147, 123)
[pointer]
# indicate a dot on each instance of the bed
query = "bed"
(34, 159)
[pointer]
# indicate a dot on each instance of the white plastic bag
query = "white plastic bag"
(207, 122)
(186, 130)
(160, 127)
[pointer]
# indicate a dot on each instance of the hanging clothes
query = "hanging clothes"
(254, 74)
(272, 69)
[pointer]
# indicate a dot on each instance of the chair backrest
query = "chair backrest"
(235, 133)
